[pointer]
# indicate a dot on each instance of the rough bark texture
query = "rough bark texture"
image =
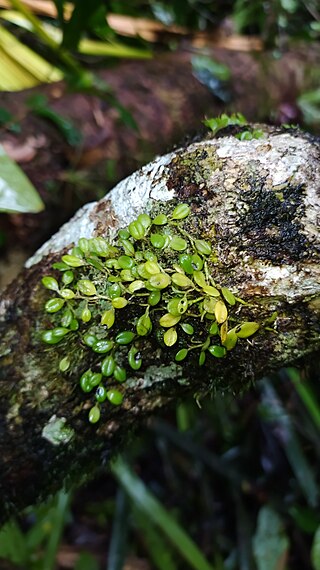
(257, 202)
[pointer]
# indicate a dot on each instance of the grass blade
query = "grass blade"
(86, 46)
(118, 544)
(58, 521)
(306, 395)
(13, 546)
(158, 515)
(13, 77)
(159, 552)
(273, 411)
(114, 49)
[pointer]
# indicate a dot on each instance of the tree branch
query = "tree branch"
(255, 205)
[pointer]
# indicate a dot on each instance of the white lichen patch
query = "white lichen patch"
(70, 233)
(30, 384)
(156, 373)
(57, 432)
(282, 154)
(134, 195)
(128, 199)
(288, 281)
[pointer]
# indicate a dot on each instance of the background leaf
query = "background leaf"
(315, 550)
(17, 194)
(270, 543)
(86, 562)
(13, 544)
(146, 502)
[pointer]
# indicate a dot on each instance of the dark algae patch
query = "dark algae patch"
(271, 228)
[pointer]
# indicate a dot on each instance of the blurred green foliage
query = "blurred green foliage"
(17, 194)
(233, 485)
(277, 21)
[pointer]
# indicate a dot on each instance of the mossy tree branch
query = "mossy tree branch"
(257, 203)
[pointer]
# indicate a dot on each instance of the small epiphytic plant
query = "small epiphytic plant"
(159, 274)
(217, 124)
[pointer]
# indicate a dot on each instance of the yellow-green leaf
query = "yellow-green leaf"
(209, 305)
(136, 285)
(169, 320)
(20, 66)
(212, 291)
(108, 317)
(246, 329)
(181, 280)
(160, 280)
(220, 311)
(199, 278)
(228, 295)
(231, 340)
(170, 337)
(86, 287)
(224, 332)
(119, 302)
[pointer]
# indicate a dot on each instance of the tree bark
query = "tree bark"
(257, 203)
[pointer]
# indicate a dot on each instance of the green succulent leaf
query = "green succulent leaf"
(86, 287)
(115, 397)
(180, 212)
(217, 351)
(94, 415)
(50, 283)
(160, 220)
(246, 329)
(181, 354)
(170, 337)
(144, 325)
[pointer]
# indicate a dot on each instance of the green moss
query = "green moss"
(190, 171)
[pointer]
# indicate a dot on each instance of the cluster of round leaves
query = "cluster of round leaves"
(154, 265)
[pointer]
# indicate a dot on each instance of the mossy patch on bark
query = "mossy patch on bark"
(190, 172)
